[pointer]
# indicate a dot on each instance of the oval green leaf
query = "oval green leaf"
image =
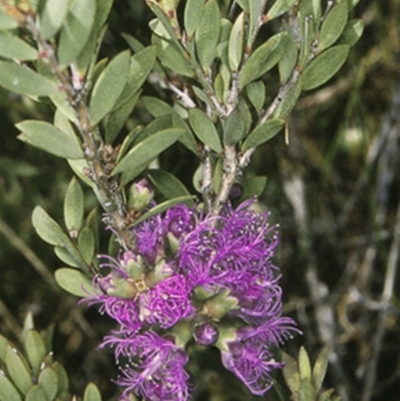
(288, 60)
(319, 369)
(8, 391)
(263, 58)
(289, 101)
(36, 393)
(18, 370)
(6, 21)
(256, 94)
(92, 393)
(52, 17)
(12, 47)
(291, 373)
(167, 184)
(49, 138)
(48, 382)
(73, 206)
(63, 382)
(333, 25)
(35, 350)
(86, 244)
(280, 7)
(304, 365)
(74, 282)
(253, 187)
(263, 133)
(204, 129)
(307, 392)
(145, 152)
(47, 229)
(324, 67)
(236, 41)
(207, 34)
(235, 128)
(76, 30)
(192, 16)
(20, 79)
(109, 87)
(352, 32)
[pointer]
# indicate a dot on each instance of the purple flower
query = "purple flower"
(154, 368)
(179, 221)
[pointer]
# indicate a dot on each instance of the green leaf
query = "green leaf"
(49, 138)
(171, 57)
(74, 282)
(140, 67)
(324, 67)
(48, 382)
(35, 350)
(63, 382)
(36, 393)
(159, 124)
(86, 244)
(12, 47)
(256, 94)
(52, 17)
(3, 347)
(145, 152)
(244, 4)
(326, 395)
(192, 16)
(307, 392)
(291, 373)
(263, 58)
(65, 256)
(127, 142)
(319, 369)
(92, 393)
(76, 30)
(280, 7)
(207, 34)
(288, 60)
(223, 45)
(236, 41)
(304, 365)
(7, 391)
(109, 87)
(333, 25)
(263, 133)
(167, 184)
(234, 129)
(20, 79)
(73, 206)
(198, 178)
(253, 187)
(47, 229)
(156, 107)
(162, 207)
(117, 119)
(204, 129)
(62, 123)
(351, 33)
(353, 3)
(289, 101)
(6, 21)
(18, 370)
(256, 9)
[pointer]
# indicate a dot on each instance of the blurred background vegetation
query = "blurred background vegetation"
(335, 191)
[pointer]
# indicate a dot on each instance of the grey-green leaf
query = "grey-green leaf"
(236, 42)
(8, 391)
(86, 244)
(23, 80)
(145, 152)
(73, 206)
(207, 34)
(49, 138)
(263, 58)
(351, 33)
(47, 228)
(162, 207)
(324, 66)
(18, 370)
(6, 21)
(319, 369)
(3, 347)
(109, 87)
(48, 382)
(291, 373)
(288, 60)
(92, 393)
(234, 129)
(74, 282)
(263, 133)
(304, 365)
(289, 101)
(307, 392)
(204, 129)
(333, 25)
(36, 393)
(52, 17)
(256, 94)
(192, 16)
(167, 184)
(280, 7)
(253, 187)
(63, 382)
(12, 47)
(76, 30)
(35, 350)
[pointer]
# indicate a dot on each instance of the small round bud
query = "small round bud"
(205, 333)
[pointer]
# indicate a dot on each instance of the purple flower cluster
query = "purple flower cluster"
(195, 278)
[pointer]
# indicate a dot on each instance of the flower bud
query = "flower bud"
(133, 264)
(118, 286)
(140, 195)
(205, 333)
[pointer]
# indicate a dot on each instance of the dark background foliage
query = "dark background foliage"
(335, 191)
